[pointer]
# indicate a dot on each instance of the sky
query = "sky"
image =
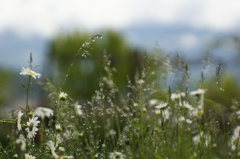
(30, 20)
(46, 17)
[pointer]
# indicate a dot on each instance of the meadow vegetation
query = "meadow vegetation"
(161, 113)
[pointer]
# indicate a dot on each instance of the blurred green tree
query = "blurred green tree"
(84, 75)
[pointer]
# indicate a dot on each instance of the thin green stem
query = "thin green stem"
(40, 156)
(13, 121)
(27, 91)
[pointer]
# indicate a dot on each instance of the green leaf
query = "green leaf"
(24, 87)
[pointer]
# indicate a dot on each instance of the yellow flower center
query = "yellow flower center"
(31, 73)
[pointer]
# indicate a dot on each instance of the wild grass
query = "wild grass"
(162, 115)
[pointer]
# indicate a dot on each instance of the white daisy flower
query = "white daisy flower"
(19, 120)
(32, 127)
(58, 127)
(52, 148)
(15, 156)
(27, 156)
(116, 155)
(63, 96)
(27, 71)
(22, 141)
(43, 112)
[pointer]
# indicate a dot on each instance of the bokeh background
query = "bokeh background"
(54, 30)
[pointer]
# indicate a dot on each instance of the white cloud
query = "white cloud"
(46, 17)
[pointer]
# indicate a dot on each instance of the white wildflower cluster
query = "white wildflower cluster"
(235, 139)
(31, 127)
(202, 138)
(163, 108)
(52, 148)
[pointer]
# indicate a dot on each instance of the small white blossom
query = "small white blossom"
(61, 149)
(65, 157)
(197, 112)
(67, 134)
(43, 112)
(175, 96)
(112, 132)
(19, 120)
(152, 102)
(78, 109)
(32, 127)
(116, 155)
(201, 137)
(52, 149)
(22, 141)
(27, 71)
(181, 119)
(15, 156)
(198, 92)
(238, 114)
(141, 81)
(63, 96)
(27, 156)
(97, 155)
(235, 140)
(189, 121)
(186, 105)
(58, 127)
(157, 111)
(166, 114)
(59, 139)
(161, 105)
